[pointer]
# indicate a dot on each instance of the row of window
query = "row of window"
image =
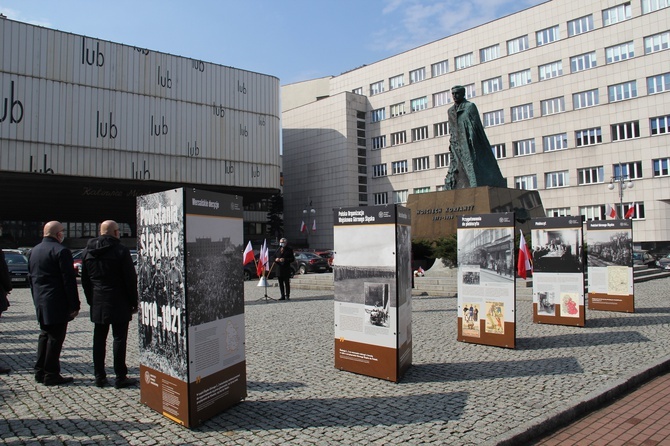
(402, 166)
(599, 211)
(545, 36)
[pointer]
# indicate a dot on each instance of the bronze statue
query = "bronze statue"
(472, 161)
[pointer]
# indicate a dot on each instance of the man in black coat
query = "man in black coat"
(110, 285)
(53, 284)
(283, 258)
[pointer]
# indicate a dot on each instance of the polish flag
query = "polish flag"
(303, 226)
(524, 264)
(314, 225)
(248, 254)
(610, 211)
(630, 212)
(262, 260)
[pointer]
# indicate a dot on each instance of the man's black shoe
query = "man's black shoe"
(288, 298)
(101, 382)
(39, 377)
(282, 298)
(58, 380)
(124, 382)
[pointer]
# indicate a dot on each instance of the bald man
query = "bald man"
(110, 285)
(53, 284)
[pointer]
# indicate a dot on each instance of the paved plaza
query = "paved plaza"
(454, 393)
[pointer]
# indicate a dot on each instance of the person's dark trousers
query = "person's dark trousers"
(284, 286)
(49, 346)
(120, 336)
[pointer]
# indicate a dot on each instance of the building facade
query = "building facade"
(86, 125)
(575, 98)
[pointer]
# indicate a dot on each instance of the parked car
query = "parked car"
(328, 255)
(17, 264)
(664, 262)
(76, 261)
(249, 270)
(644, 258)
(308, 262)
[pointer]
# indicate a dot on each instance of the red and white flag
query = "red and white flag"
(303, 226)
(262, 260)
(314, 225)
(630, 212)
(525, 259)
(610, 211)
(248, 254)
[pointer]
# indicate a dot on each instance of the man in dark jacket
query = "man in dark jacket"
(5, 288)
(283, 258)
(54, 287)
(110, 285)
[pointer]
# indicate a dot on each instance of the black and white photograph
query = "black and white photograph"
(609, 248)
(351, 282)
(546, 303)
(557, 250)
(490, 249)
(377, 303)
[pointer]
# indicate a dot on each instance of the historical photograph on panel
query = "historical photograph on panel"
(546, 303)
(557, 250)
(471, 275)
(404, 253)
(215, 289)
(495, 317)
(160, 270)
(609, 248)
(570, 304)
(377, 303)
(490, 249)
(355, 284)
(470, 320)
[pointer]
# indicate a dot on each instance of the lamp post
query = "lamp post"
(308, 216)
(624, 183)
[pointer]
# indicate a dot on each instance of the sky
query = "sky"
(294, 40)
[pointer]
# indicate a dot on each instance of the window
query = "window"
(616, 14)
(441, 129)
(585, 99)
(524, 147)
(547, 35)
(381, 198)
(661, 167)
(550, 70)
(420, 133)
(494, 118)
(470, 91)
(659, 125)
(398, 138)
(583, 62)
(440, 68)
(441, 98)
(552, 143)
(358, 90)
(441, 160)
(580, 25)
(378, 142)
(399, 167)
(527, 182)
(376, 88)
(421, 190)
(418, 104)
(553, 180)
(590, 213)
(638, 213)
(396, 81)
(621, 92)
(417, 75)
(659, 83)
(379, 170)
(489, 53)
(521, 112)
(591, 175)
(422, 163)
(588, 137)
(657, 42)
(499, 151)
(492, 85)
(626, 130)
(439, 188)
(400, 196)
(463, 61)
(619, 52)
(631, 171)
(519, 78)
(378, 115)
(397, 109)
(517, 45)
(558, 212)
(654, 5)
(552, 106)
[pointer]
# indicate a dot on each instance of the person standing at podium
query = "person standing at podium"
(283, 258)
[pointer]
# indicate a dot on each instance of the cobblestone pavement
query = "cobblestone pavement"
(455, 393)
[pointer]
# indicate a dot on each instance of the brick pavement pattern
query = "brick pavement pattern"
(455, 393)
(639, 418)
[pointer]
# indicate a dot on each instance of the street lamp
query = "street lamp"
(307, 217)
(624, 183)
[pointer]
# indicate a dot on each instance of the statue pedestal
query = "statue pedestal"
(434, 213)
